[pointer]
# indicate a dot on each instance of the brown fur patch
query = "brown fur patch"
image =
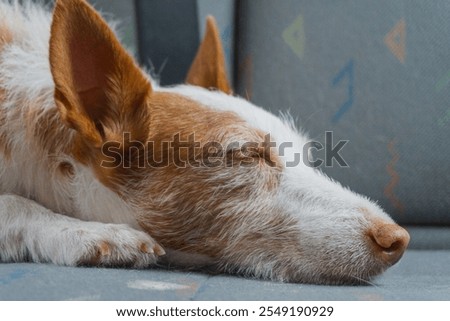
(5, 38)
(190, 221)
(172, 115)
(5, 147)
(104, 248)
(97, 254)
(5, 35)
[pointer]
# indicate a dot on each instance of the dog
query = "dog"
(100, 166)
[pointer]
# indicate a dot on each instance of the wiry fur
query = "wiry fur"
(275, 222)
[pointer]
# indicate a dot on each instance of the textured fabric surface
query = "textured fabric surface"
(376, 74)
(168, 37)
(429, 238)
(420, 275)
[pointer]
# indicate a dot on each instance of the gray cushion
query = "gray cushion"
(420, 275)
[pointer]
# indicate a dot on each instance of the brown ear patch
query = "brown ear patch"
(97, 83)
(208, 69)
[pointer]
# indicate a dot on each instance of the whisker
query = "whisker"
(364, 281)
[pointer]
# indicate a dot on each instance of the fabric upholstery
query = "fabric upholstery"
(374, 73)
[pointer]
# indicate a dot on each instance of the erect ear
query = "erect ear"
(99, 89)
(208, 69)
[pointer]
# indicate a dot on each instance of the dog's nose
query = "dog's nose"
(390, 242)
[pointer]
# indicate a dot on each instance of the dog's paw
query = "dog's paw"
(110, 245)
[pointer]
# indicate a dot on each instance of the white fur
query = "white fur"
(29, 231)
(24, 63)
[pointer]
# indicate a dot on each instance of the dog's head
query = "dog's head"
(203, 170)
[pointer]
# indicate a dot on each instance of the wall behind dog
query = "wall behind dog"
(123, 15)
(374, 73)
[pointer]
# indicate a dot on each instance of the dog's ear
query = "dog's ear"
(99, 89)
(208, 69)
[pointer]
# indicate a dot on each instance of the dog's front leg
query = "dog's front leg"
(30, 232)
